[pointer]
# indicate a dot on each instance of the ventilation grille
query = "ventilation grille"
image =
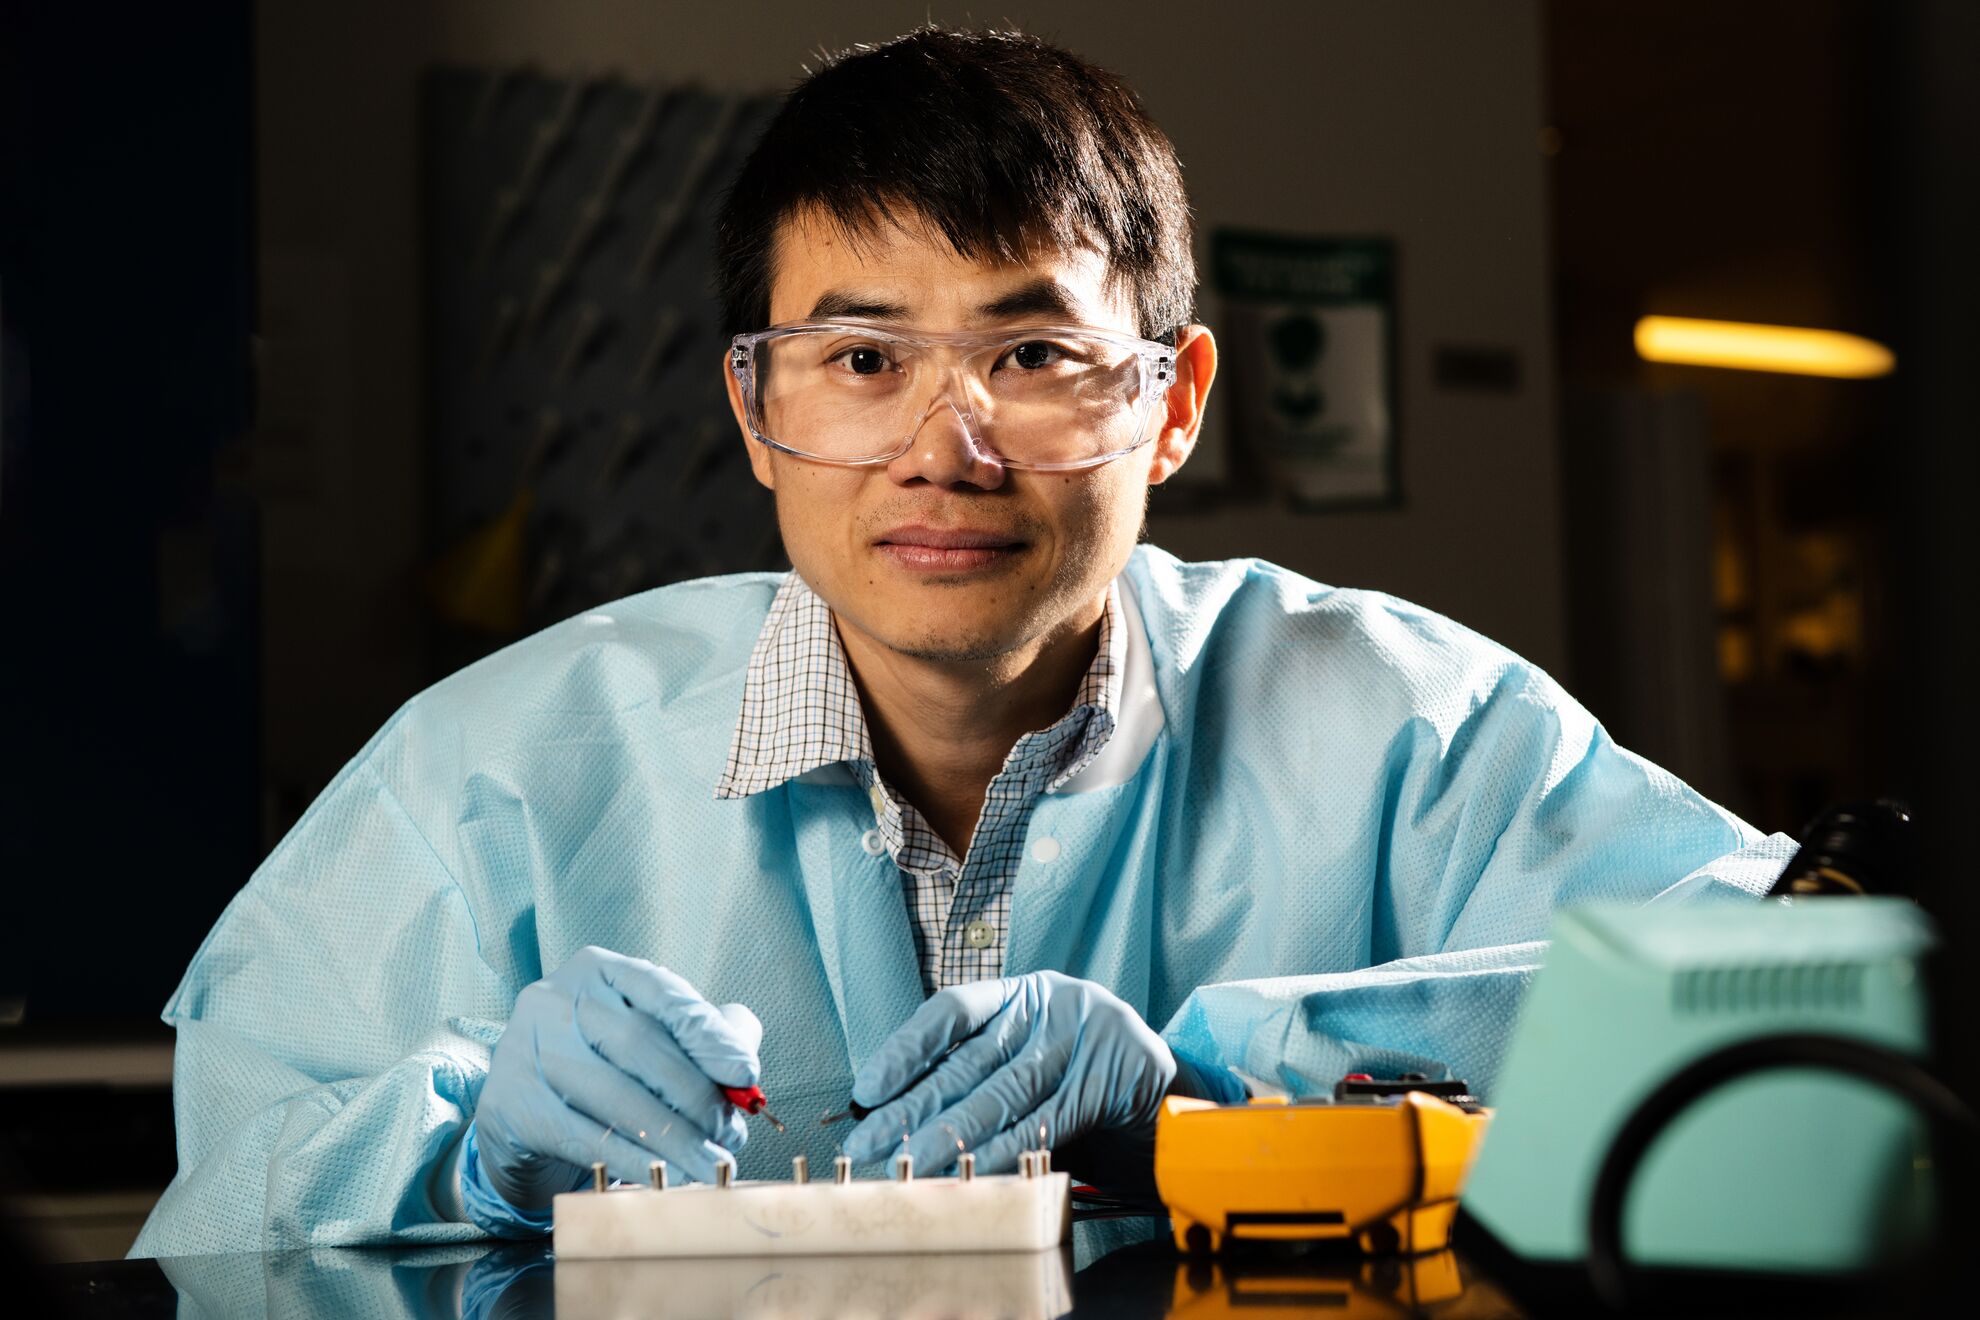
(1782, 988)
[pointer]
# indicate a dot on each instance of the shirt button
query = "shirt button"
(873, 843)
(979, 934)
(1045, 850)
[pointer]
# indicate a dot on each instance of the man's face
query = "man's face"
(878, 543)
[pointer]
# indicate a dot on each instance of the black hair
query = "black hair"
(998, 140)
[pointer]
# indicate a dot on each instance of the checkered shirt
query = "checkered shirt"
(801, 711)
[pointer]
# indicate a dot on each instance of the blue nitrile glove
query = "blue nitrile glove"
(608, 1058)
(1044, 1051)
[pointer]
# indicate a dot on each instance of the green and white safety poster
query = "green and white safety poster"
(1309, 333)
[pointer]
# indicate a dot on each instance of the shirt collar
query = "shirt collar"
(801, 710)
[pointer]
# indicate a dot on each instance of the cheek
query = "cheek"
(797, 509)
(814, 510)
(1099, 521)
(1112, 508)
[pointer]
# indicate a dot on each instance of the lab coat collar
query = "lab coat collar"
(1138, 716)
(1137, 713)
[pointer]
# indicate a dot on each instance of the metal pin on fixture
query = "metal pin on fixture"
(903, 1167)
(1028, 1163)
(598, 1176)
(966, 1166)
(656, 1174)
(1044, 1158)
(800, 1169)
(725, 1174)
(842, 1169)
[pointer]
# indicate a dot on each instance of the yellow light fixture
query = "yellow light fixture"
(1748, 347)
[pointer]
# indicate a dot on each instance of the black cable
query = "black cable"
(1081, 1215)
(1096, 1205)
(1877, 1064)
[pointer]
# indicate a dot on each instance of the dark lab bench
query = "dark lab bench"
(1125, 1267)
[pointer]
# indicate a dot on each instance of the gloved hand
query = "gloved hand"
(608, 1058)
(1039, 1052)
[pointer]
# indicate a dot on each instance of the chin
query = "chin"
(951, 645)
(954, 655)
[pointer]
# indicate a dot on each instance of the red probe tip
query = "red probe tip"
(749, 1099)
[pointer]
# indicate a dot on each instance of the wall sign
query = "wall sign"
(1310, 348)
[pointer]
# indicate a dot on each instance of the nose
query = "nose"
(944, 451)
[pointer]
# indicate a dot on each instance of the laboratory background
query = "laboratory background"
(341, 345)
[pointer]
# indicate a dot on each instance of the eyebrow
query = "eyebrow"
(1041, 296)
(1044, 296)
(839, 303)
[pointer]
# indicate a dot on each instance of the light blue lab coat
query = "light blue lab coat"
(1328, 840)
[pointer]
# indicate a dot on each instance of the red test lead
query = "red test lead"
(751, 1100)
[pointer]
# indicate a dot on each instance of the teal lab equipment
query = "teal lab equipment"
(1784, 1170)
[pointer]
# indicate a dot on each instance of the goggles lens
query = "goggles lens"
(1036, 398)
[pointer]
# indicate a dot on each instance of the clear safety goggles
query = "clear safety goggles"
(1048, 398)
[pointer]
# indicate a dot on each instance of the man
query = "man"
(964, 808)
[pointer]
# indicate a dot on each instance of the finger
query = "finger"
(1000, 1153)
(747, 1025)
(597, 1091)
(1001, 1104)
(689, 1154)
(637, 1045)
(629, 1155)
(936, 1145)
(965, 1069)
(944, 1018)
(587, 1141)
(720, 1051)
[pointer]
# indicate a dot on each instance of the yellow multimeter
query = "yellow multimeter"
(1380, 1162)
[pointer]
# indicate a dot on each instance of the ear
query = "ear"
(1183, 404)
(759, 455)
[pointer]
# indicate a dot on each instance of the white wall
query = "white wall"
(1416, 120)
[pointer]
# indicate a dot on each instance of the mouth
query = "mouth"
(947, 549)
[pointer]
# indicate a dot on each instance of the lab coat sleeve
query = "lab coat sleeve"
(1489, 822)
(333, 1034)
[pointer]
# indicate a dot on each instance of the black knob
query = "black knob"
(1856, 848)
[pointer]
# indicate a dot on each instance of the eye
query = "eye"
(1035, 354)
(866, 361)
